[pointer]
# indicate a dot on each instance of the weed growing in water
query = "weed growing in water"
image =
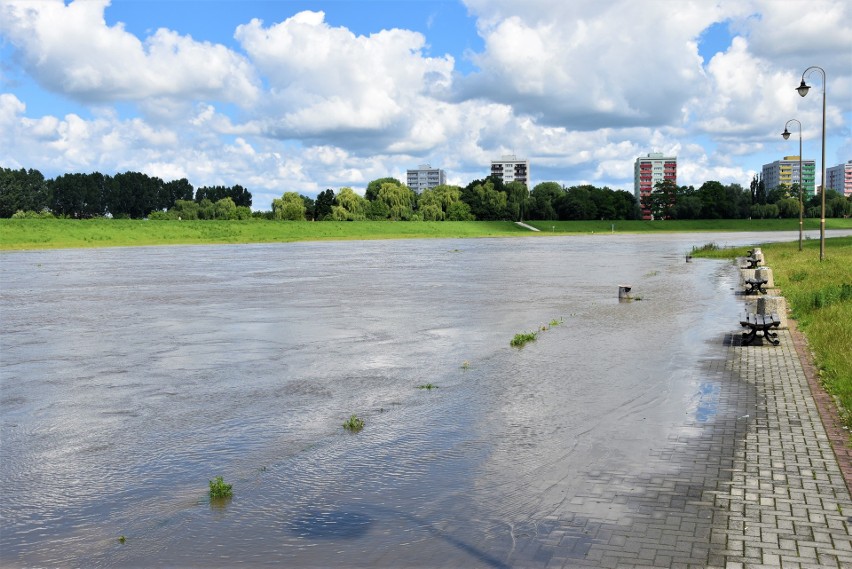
(706, 247)
(218, 488)
(353, 424)
(121, 539)
(427, 386)
(465, 365)
(520, 339)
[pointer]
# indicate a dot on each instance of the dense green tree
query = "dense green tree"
(779, 193)
(399, 200)
(577, 204)
(349, 206)
(543, 198)
(517, 200)
(310, 207)
(239, 195)
(133, 194)
(486, 199)
(78, 195)
(372, 191)
(788, 207)
(764, 211)
(436, 204)
(625, 205)
(184, 209)
(289, 207)
(324, 203)
(173, 191)
(688, 204)
(24, 190)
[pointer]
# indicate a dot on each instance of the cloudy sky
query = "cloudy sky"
(302, 96)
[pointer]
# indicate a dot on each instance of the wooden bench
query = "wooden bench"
(755, 286)
(760, 323)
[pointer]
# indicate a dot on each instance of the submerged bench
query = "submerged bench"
(760, 323)
(755, 286)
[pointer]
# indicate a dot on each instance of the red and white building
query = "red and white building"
(647, 171)
(839, 178)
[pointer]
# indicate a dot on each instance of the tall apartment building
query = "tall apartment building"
(839, 178)
(647, 171)
(425, 177)
(786, 172)
(510, 169)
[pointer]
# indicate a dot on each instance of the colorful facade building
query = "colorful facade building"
(839, 178)
(786, 173)
(647, 171)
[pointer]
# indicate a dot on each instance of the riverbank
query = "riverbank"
(819, 295)
(23, 234)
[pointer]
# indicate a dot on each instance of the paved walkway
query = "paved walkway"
(752, 483)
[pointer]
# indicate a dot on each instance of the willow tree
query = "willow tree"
(289, 207)
(398, 199)
(349, 206)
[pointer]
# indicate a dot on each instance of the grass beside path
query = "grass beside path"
(819, 295)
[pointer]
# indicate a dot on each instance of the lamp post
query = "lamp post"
(803, 90)
(786, 135)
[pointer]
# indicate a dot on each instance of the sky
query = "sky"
(295, 96)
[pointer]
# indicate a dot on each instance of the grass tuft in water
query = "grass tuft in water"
(523, 338)
(353, 424)
(218, 489)
(427, 386)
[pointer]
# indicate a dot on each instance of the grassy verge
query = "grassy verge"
(820, 297)
(69, 233)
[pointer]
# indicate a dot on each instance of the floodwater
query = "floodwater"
(131, 377)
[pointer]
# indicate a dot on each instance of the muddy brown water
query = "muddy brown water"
(131, 377)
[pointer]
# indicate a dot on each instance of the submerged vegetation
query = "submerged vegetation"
(819, 295)
(219, 490)
(523, 338)
(353, 424)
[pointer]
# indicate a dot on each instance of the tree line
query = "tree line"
(129, 195)
(716, 201)
(26, 193)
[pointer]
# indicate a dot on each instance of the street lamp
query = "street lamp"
(786, 135)
(803, 90)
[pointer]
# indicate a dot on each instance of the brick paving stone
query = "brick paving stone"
(756, 486)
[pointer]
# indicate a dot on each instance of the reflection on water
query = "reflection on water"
(131, 377)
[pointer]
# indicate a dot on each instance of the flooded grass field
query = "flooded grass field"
(130, 378)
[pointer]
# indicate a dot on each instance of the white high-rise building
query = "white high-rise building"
(425, 177)
(510, 169)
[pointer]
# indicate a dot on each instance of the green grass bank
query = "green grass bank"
(16, 234)
(819, 295)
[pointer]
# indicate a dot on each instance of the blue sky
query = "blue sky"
(302, 96)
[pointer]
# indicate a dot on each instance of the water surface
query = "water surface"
(131, 377)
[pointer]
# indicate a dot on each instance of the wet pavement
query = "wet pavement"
(634, 434)
(758, 486)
